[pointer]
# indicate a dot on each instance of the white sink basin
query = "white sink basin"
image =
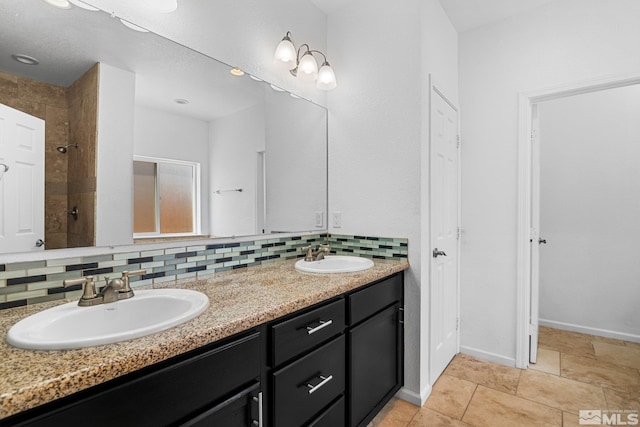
(69, 326)
(334, 264)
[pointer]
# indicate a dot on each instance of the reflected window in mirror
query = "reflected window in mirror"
(166, 197)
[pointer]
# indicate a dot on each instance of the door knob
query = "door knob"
(39, 243)
(542, 241)
(436, 253)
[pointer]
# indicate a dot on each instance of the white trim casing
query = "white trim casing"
(523, 265)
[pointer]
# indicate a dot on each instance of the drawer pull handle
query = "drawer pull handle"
(323, 324)
(325, 380)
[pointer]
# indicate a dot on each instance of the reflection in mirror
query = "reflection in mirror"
(259, 154)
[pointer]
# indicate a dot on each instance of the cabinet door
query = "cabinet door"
(243, 409)
(375, 364)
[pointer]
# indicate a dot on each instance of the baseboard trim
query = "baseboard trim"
(488, 356)
(413, 397)
(589, 330)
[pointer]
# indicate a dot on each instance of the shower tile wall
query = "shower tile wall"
(41, 281)
(50, 103)
(83, 125)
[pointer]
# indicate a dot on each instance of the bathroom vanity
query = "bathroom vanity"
(276, 348)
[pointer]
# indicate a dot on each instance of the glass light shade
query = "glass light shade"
(326, 78)
(307, 68)
(286, 53)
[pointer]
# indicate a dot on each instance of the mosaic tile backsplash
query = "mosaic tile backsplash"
(40, 281)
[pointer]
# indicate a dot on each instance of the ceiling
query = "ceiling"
(465, 15)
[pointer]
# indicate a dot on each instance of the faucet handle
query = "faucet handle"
(88, 288)
(125, 278)
(309, 252)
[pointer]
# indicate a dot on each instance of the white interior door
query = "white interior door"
(444, 233)
(22, 186)
(535, 235)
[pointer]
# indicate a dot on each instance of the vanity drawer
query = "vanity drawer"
(374, 298)
(306, 386)
(307, 330)
(333, 416)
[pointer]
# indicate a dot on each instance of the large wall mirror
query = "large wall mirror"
(195, 151)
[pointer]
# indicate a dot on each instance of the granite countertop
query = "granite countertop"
(239, 300)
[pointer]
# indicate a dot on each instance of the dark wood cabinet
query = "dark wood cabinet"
(170, 393)
(375, 349)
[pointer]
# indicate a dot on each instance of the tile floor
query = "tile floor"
(574, 372)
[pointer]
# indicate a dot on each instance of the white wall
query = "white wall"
(235, 142)
(170, 136)
(590, 205)
(378, 131)
(296, 163)
(239, 33)
(563, 42)
(114, 200)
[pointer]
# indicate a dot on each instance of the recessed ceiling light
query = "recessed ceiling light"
(255, 78)
(62, 4)
(236, 72)
(276, 88)
(25, 59)
(133, 26)
(294, 96)
(181, 101)
(83, 5)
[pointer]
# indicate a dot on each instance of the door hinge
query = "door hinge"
(534, 134)
(457, 323)
(457, 141)
(532, 329)
(458, 232)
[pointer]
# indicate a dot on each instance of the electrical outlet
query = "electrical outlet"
(337, 219)
(319, 219)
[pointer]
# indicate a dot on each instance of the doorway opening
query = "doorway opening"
(528, 190)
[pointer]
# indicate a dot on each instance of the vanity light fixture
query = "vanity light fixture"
(305, 67)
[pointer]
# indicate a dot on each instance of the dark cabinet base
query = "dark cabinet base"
(166, 394)
(373, 364)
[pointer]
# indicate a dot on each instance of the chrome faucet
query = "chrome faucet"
(113, 290)
(318, 255)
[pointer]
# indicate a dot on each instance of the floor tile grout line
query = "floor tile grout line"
(469, 403)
